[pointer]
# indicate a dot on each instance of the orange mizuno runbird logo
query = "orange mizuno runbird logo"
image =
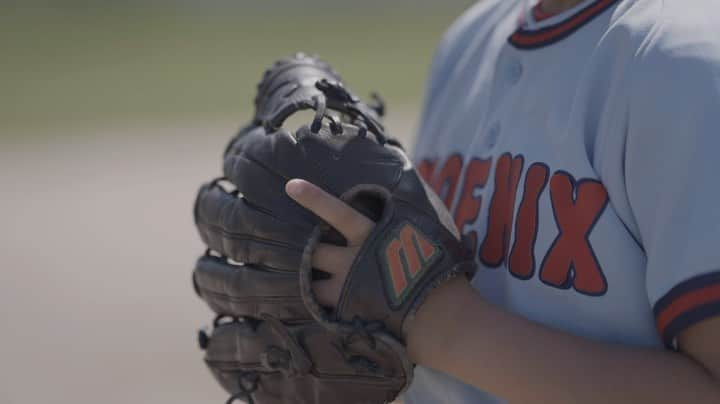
(407, 255)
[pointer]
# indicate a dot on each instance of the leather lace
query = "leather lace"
(362, 331)
(247, 384)
(336, 93)
(291, 362)
(247, 381)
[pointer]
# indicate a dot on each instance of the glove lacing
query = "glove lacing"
(362, 331)
(351, 106)
(291, 362)
(247, 381)
(245, 393)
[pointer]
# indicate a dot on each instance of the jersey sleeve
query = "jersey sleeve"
(672, 173)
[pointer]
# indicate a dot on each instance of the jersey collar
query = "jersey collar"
(533, 37)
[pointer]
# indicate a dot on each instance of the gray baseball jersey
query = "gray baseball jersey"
(580, 153)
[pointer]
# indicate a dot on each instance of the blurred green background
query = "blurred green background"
(112, 113)
(69, 63)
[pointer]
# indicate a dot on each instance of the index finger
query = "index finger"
(353, 225)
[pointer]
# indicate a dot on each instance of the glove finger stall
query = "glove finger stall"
(234, 228)
(244, 134)
(249, 291)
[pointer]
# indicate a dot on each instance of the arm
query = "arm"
(524, 362)
(514, 358)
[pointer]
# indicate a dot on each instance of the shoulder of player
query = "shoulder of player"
(670, 33)
(674, 47)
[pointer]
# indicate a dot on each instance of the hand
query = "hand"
(334, 260)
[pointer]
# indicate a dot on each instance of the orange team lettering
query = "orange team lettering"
(522, 257)
(571, 262)
(426, 169)
(494, 248)
(445, 182)
(469, 205)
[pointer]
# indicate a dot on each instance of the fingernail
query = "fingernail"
(294, 187)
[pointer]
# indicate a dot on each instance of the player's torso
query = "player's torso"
(518, 165)
(524, 146)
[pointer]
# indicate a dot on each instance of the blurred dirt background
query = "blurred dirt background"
(111, 115)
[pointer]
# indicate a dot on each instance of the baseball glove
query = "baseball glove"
(273, 342)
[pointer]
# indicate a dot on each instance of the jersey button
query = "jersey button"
(493, 134)
(515, 72)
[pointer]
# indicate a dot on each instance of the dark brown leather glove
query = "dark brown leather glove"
(283, 346)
